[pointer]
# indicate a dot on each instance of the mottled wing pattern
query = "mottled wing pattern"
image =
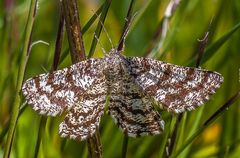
(132, 111)
(52, 93)
(177, 88)
(83, 119)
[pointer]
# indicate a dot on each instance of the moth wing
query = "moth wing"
(52, 93)
(176, 88)
(132, 111)
(83, 119)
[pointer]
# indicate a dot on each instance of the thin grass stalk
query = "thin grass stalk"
(4, 132)
(99, 27)
(202, 45)
(212, 49)
(6, 47)
(59, 40)
(163, 29)
(154, 39)
(124, 146)
(170, 134)
(165, 139)
(181, 130)
(192, 130)
(208, 122)
(92, 19)
(216, 19)
(21, 70)
(227, 149)
(173, 138)
(121, 42)
(41, 128)
(140, 13)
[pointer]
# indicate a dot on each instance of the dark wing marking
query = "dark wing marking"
(52, 93)
(83, 119)
(177, 88)
(132, 111)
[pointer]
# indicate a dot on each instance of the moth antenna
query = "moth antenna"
(104, 29)
(121, 44)
(95, 36)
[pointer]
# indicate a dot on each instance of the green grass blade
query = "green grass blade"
(191, 132)
(21, 70)
(92, 19)
(99, 27)
(209, 121)
(213, 48)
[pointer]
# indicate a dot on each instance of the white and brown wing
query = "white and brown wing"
(79, 89)
(52, 93)
(176, 88)
(84, 117)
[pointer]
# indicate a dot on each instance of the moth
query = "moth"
(133, 85)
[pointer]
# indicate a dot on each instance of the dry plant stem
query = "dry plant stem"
(75, 40)
(59, 40)
(84, 29)
(208, 122)
(94, 145)
(22, 66)
(71, 16)
(202, 45)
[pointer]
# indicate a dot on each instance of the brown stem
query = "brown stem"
(58, 44)
(94, 145)
(71, 16)
(202, 45)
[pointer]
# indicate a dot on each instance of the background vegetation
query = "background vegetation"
(213, 129)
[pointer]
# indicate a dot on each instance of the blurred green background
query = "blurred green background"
(186, 27)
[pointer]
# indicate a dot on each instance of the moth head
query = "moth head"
(114, 65)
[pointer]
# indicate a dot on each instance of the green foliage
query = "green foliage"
(38, 137)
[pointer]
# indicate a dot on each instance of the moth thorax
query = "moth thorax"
(114, 67)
